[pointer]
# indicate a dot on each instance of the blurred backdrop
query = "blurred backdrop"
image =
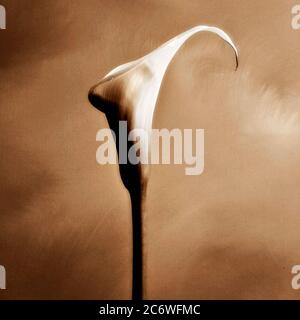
(65, 228)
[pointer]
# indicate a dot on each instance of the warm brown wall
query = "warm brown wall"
(232, 232)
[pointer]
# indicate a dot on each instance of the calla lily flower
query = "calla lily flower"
(129, 93)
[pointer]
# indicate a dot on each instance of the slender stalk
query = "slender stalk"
(136, 186)
(136, 183)
(137, 246)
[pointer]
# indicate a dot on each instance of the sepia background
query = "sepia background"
(65, 229)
